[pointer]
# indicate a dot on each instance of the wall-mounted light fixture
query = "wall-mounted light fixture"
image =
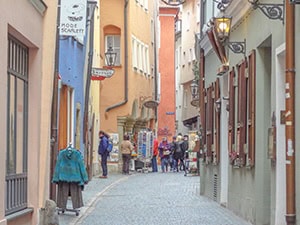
(272, 11)
(194, 91)
(173, 2)
(110, 57)
(194, 88)
(222, 26)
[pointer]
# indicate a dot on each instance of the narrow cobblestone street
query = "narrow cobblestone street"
(146, 199)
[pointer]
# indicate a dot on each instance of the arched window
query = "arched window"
(112, 36)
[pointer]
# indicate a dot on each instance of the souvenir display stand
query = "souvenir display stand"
(144, 150)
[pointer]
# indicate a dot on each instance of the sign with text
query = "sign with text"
(72, 17)
(100, 73)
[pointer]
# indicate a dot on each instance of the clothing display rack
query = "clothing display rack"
(70, 176)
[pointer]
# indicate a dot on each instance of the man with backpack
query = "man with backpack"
(103, 152)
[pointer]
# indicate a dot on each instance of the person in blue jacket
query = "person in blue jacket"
(102, 151)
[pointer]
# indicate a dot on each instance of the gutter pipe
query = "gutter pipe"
(90, 24)
(126, 63)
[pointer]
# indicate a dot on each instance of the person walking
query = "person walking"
(126, 150)
(102, 151)
(173, 158)
(155, 153)
(185, 148)
(164, 153)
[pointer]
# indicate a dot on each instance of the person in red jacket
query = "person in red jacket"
(155, 153)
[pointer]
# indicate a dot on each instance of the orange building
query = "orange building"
(167, 107)
(128, 28)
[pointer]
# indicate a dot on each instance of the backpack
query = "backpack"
(109, 145)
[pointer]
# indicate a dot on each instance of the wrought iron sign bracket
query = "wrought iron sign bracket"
(238, 47)
(272, 11)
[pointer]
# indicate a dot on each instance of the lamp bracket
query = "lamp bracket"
(272, 11)
(173, 2)
(238, 47)
(222, 4)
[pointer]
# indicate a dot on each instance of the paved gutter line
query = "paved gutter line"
(86, 210)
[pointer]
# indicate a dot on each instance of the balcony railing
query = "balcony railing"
(16, 193)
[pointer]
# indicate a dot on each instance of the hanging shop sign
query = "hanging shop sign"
(72, 17)
(151, 104)
(101, 74)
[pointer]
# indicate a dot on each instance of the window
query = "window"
(188, 18)
(114, 41)
(17, 126)
(140, 56)
(147, 69)
(185, 99)
(197, 8)
(134, 55)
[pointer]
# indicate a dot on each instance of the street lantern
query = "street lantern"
(110, 57)
(222, 27)
(194, 88)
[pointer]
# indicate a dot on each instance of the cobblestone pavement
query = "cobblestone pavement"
(146, 199)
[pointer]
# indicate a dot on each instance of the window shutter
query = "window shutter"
(242, 113)
(217, 120)
(252, 109)
(209, 123)
(202, 96)
(231, 118)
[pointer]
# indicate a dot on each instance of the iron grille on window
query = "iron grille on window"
(17, 124)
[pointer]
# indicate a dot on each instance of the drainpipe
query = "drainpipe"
(290, 114)
(126, 63)
(92, 5)
(54, 112)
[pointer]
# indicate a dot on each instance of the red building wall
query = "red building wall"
(166, 109)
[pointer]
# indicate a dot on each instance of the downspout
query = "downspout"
(90, 23)
(54, 110)
(290, 114)
(126, 63)
(156, 73)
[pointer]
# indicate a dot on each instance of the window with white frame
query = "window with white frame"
(146, 5)
(142, 68)
(185, 99)
(192, 55)
(114, 41)
(140, 56)
(152, 31)
(147, 60)
(197, 8)
(134, 55)
(188, 17)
